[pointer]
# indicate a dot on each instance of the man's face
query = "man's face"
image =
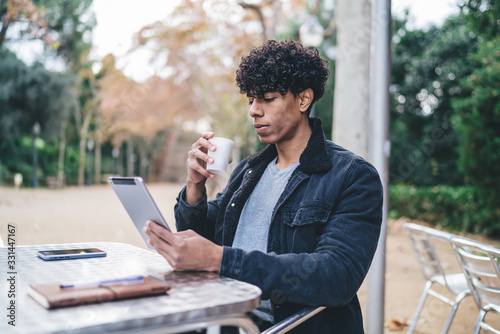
(276, 117)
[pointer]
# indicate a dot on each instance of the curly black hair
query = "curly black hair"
(282, 66)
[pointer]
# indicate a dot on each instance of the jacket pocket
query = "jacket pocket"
(307, 213)
(301, 226)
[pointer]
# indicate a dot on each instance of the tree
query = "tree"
(324, 11)
(478, 123)
(84, 113)
(15, 11)
(483, 16)
(67, 26)
(72, 23)
(201, 40)
(30, 94)
(141, 113)
(427, 67)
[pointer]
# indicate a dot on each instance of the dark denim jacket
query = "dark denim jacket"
(323, 234)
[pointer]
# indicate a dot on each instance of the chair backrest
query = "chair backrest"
(480, 266)
(422, 239)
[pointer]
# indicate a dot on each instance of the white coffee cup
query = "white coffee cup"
(221, 155)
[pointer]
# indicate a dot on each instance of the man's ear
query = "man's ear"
(305, 99)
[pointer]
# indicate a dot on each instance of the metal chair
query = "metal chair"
(422, 239)
(480, 266)
(280, 328)
(294, 320)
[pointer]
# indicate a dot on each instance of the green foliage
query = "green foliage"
(427, 67)
(460, 71)
(72, 23)
(20, 159)
(484, 17)
(455, 208)
(4, 173)
(30, 94)
(457, 140)
(71, 163)
(478, 122)
(16, 156)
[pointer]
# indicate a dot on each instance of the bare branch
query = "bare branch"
(4, 30)
(315, 9)
(260, 15)
(331, 28)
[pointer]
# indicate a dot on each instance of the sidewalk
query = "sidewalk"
(44, 216)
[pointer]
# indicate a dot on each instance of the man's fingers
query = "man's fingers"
(159, 230)
(185, 250)
(203, 145)
(186, 234)
(163, 249)
(197, 161)
(207, 134)
(163, 241)
(196, 158)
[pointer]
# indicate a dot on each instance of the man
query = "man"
(300, 219)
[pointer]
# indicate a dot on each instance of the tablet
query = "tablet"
(138, 202)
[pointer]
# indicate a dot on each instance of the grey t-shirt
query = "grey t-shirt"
(253, 228)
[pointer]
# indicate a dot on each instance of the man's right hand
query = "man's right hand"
(196, 163)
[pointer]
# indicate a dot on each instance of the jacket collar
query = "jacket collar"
(314, 159)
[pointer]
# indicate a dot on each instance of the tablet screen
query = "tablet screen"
(137, 201)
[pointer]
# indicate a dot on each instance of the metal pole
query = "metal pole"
(379, 148)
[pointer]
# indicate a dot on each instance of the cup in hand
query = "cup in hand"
(221, 155)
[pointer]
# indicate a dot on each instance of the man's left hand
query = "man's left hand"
(185, 250)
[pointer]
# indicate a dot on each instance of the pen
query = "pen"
(123, 281)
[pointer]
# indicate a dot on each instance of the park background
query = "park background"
(71, 116)
(75, 117)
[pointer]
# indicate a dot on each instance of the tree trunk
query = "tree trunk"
(144, 161)
(83, 141)
(3, 32)
(81, 162)
(130, 157)
(168, 149)
(97, 162)
(62, 148)
(352, 76)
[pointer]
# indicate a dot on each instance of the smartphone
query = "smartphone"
(68, 254)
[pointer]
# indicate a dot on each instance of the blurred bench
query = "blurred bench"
(53, 182)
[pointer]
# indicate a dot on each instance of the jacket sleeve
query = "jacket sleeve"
(202, 216)
(189, 216)
(332, 274)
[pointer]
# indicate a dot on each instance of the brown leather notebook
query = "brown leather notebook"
(54, 296)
